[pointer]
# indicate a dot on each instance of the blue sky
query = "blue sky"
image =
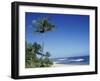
(70, 36)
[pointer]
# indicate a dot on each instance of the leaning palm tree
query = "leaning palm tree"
(42, 26)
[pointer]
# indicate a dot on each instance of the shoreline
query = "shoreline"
(64, 65)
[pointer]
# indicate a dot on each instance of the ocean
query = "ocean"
(76, 60)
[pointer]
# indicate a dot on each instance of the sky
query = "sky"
(69, 38)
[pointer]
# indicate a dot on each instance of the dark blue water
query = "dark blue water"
(81, 60)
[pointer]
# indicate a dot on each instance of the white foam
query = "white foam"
(77, 60)
(62, 59)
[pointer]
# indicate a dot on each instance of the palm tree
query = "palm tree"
(42, 25)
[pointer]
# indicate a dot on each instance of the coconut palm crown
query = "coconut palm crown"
(42, 25)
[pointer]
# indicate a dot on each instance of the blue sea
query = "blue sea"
(76, 60)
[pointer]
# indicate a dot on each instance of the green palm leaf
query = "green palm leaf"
(43, 25)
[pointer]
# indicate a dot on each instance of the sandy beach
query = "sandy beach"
(64, 65)
(60, 65)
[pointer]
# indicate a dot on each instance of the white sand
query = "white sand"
(61, 65)
(64, 65)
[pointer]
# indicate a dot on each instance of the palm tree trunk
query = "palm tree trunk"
(42, 47)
